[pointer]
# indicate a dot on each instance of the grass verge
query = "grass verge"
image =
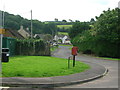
(108, 58)
(40, 66)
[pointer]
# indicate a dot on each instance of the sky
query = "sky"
(48, 10)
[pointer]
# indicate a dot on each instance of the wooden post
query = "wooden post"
(68, 62)
(73, 60)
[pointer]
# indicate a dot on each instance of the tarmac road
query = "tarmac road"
(108, 81)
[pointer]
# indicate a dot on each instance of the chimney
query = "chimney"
(21, 27)
(27, 29)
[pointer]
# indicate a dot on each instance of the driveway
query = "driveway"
(108, 81)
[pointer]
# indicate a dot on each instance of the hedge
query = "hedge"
(99, 47)
(32, 47)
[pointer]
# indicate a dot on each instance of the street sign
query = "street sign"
(2, 31)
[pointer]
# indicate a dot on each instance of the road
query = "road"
(108, 81)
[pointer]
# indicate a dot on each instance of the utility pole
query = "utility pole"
(31, 26)
(2, 30)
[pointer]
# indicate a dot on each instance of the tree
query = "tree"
(92, 21)
(77, 28)
(104, 38)
(64, 20)
(47, 37)
(107, 25)
(50, 28)
(56, 19)
(70, 20)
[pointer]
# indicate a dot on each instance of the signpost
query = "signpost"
(74, 53)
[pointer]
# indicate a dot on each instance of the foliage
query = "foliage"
(107, 26)
(104, 38)
(47, 37)
(77, 28)
(40, 66)
(15, 21)
(53, 48)
(32, 47)
(50, 28)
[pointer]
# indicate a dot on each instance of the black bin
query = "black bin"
(5, 54)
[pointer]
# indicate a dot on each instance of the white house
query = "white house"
(65, 39)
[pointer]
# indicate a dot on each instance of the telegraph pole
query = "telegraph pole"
(31, 26)
(1, 32)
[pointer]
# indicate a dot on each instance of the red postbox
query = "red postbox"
(74, 50)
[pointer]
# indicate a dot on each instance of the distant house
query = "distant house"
(24, 33)
(64, 38)
(39, 36)
(13, 34)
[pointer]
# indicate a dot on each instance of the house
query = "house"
(12, 34)
(63, 38)
(24, 33)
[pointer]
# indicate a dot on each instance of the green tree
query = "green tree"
(50, 28)
(64, 20)
(77, 28)
(47, 37)
(104, 38)
(107, 25)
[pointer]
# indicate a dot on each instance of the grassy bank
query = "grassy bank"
(39, 66)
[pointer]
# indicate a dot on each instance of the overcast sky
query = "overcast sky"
(48, 10)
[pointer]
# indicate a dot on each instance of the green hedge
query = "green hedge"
(32, 47)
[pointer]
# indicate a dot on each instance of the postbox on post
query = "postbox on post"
(74, 53)
(74, 50)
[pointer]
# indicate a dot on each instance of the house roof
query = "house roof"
(13, 34)
(61, 35)
(23, 32)
(39, 35)
(28, 31)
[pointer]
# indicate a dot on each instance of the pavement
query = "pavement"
(96, 71)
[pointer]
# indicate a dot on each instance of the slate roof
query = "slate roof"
(13, 34)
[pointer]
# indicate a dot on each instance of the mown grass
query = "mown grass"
(40, 66)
